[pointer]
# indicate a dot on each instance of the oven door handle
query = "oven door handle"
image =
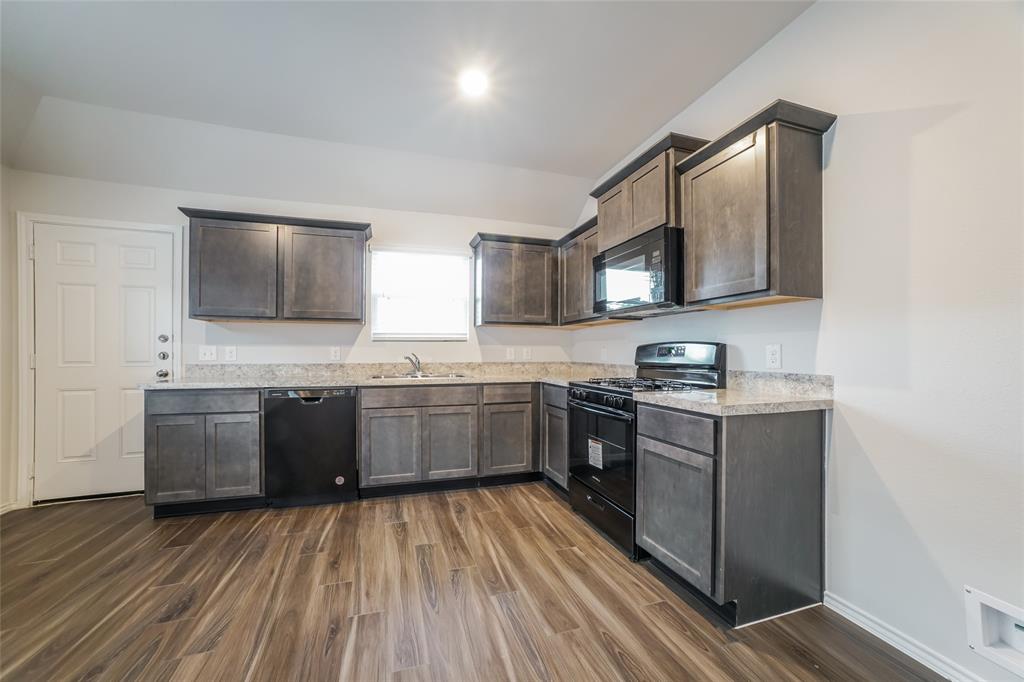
(602, 411)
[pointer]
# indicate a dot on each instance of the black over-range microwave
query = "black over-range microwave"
(642, 277)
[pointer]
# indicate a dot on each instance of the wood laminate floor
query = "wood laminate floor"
(490, 584)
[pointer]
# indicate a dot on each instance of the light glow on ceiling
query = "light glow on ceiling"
(473, 82)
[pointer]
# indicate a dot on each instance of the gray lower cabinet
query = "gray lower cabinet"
(194, 457)
(175, 458)
(390, 451)
(507, 442)
(232, 455)
(554, 443)
(675, 498)
(450, 441)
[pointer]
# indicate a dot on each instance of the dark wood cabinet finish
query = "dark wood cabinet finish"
(554, 443)
(507, 439)
(202, 445)
(576, 277)
(321, 273)
(232, 269)
(415, 396)
(232, 455)
(752, 211)
(614, 217)
(450, 440)
(675, 497)
(591, 242)
(516, 281)
(742, 521)
(648, 189)
(175, 458)
(254, 266)
(391, 442)
(507, 393)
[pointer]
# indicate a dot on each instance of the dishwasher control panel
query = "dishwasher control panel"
(309, 392)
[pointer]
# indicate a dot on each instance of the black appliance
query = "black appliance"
(310, 446)
(602, 430)
(642, 277)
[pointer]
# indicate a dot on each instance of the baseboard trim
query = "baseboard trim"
(906, 644)
(10, 506)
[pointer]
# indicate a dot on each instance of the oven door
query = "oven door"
(637, 274)
(601, 451)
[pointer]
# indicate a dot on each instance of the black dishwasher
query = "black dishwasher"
(310, 445)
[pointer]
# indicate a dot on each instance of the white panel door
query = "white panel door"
(103, 302)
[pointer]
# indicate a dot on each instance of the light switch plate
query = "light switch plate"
(335, 352)
(207, 353)
(510, 353)
(230, 353)
(773, 356)
(527, 353)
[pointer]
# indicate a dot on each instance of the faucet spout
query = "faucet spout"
(417, 366)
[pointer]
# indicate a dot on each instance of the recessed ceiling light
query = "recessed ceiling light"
(473, 82)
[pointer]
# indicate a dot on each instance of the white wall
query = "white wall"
(921, 318)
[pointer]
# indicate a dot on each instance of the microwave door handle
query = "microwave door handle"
(602, 411)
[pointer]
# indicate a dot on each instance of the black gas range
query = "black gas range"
(602, 433)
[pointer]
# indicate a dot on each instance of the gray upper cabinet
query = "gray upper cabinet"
(232, 269)
(644, 194)
(752, 211)
(675, 491)
(202, 445)
(321, 273)
(232, 455)
(590, 239)
(390, 451)
(450, 441)
(576, 276)
(253, 266)
(507, 443)
(516, 280)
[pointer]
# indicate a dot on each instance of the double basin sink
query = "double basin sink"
(418, 375)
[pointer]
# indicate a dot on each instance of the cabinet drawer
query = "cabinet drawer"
(555, 395)
(201, 402)
(415, 396)
(617, 524)
(686, 430)
(508, 393)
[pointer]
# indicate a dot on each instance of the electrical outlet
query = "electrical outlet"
(335, 352)
(527, 353)
(207, 353)
(773, 356)
(230, 353)
(510, 353)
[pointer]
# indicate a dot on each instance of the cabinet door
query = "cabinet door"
(571, 280)
(507, 439)
(554, 442)
(321, 273)
(649, 195)
(614, 217)
(390, 451)
(725, 204)
(590, 245)
(534, 284)
(450, 441)
(175, 458)
(497, 281)
(232, 269)
(675, 509)
(232, 455)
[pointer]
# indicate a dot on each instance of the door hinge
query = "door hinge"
(32, 251)
(31, 360)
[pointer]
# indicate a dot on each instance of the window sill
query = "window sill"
(399, 337)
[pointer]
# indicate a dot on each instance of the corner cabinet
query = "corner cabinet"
(515, 280)
(644, 194)
(507, 433)
(202, 445)
(554, 434)
(576, 274)
(261, 267)
(752, 211)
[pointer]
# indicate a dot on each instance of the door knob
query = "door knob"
(162, 373)
(163, 338)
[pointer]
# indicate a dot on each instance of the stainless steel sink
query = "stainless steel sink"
(421, 375)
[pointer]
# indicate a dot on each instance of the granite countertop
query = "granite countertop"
(314, 382)
(736, 401)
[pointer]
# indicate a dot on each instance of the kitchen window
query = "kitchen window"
(419, 296)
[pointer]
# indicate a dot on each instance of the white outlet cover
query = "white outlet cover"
(335, 352)
(208, 353)
(773, 356)
(527, 353)
(510, 353)
(230, 353)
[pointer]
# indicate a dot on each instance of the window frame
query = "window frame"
(389, 337)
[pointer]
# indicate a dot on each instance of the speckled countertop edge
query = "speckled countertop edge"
(736, 402)
(285, 382)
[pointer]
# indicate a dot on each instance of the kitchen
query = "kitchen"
(644, 438)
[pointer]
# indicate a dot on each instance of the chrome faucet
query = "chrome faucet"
(417, 366)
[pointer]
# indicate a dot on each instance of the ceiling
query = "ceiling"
(575, 86)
